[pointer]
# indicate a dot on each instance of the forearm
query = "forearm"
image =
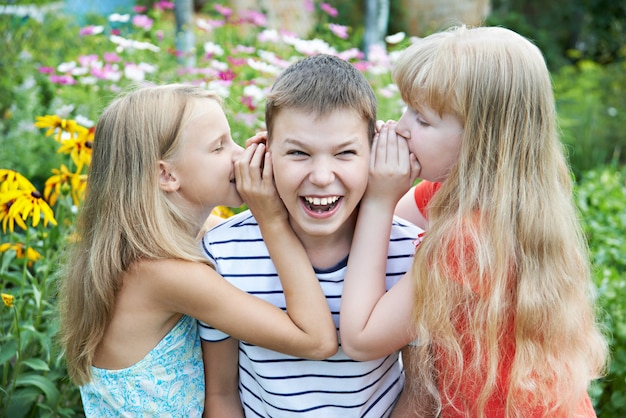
(364, 283)
(306, 303)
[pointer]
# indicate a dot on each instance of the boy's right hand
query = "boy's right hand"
(393, 169)
(255, 183)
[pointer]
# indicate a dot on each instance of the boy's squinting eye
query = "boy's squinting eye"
(219, 147)
(296, 153)
(347, 152)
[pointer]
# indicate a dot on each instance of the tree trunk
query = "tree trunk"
(376, 22)
(185, 39)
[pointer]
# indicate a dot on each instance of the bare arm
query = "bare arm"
(221, 376)
(375, 323)
(407, 209)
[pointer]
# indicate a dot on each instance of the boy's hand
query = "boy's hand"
(255, 183)
(393, 169)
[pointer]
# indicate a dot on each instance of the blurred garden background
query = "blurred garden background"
(62, 62)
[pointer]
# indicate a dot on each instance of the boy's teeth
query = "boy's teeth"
(322, 201)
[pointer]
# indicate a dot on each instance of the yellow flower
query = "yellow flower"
(222, 212)
(11, 180)
(55, 123)
(63, 176)
(8, 300)
(31, 254)
(16, 206)
(79, 147)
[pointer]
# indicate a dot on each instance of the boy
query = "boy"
(321, 116)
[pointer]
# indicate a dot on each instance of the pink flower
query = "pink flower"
(160, 35)
(139, 9)
(164, 5)
(339, 30)
(46, 70)
(248, 102)
(62, 79)
(330, 10)
(115, 32)
(309, 6)
(224, 11)
(90, 30)
(254, 17)
(142, 21)
(226, 75)
(111, 57)
(87, 60)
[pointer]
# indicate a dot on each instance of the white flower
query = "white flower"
(116, 17)
(395, 38)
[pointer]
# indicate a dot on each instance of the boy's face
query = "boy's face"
(320, 169)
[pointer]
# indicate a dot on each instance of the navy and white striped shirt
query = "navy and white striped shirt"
(273, 384)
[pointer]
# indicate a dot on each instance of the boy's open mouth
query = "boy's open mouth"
(321, 204)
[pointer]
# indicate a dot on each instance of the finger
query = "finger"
(259, 137)
(379, 124)
(381, 149)
(373, 153)
(242, 167)
(268, 174)
(416, 168)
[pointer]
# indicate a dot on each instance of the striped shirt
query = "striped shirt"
(273, 384)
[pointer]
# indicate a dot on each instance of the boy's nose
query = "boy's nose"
(321, 174)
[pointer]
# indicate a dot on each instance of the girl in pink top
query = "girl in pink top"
(498, 304)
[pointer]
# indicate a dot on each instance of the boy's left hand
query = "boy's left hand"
(393, 169)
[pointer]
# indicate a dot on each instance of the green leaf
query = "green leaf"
(42, 383)
(7, 351)
(37, 364)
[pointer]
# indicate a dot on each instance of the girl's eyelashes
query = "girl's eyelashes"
(296, 153)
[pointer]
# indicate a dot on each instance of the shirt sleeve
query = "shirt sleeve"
(207, 332)
(423, 192)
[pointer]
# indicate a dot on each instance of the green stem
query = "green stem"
(18, 362)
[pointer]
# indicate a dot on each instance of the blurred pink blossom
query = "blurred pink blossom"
(330, 10)
(142, 21)
(224, 11)
(90, 30)
(339, 30)
(139, 9)
(111, 57)
(254, 17)
(164, 5)
(46, 70)
(62, 79)
(309, 6)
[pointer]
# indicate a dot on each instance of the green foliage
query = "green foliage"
(601, 200)
(591, 103)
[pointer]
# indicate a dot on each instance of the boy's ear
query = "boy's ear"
(167, 179)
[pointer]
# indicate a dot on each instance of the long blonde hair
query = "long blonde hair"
(125, 216)
(504, 260)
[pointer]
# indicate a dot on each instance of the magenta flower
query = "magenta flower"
(46, 70)
(139, 9)
(330, 10)
(226, 75)
(62, 79)
(142, 21)
(339, 30)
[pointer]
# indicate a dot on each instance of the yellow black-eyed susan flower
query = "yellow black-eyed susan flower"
(11, 180)
(79, 146)
(18, 205)
(8, 300)
(64, 177)
(222, 211)
(31, 254)
(55, 124)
